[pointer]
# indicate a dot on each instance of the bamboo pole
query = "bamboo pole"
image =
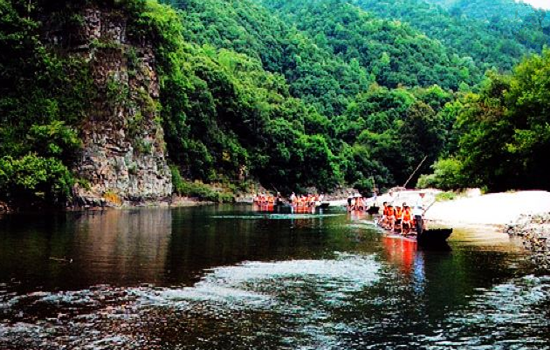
(414, 172)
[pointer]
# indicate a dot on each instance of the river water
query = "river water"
(227, 277)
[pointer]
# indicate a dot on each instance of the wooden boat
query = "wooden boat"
(434, 236)
(372, 210)
(428, 238)
(323, 205)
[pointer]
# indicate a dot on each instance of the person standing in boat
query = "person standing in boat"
(360, 204)
(418, 213)
(279, 199)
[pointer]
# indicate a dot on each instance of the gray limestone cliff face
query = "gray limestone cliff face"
(124, 154)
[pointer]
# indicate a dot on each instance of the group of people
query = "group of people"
(403, 218)
(309, 200)
(263, 199)
(356, 203)
(305, 201)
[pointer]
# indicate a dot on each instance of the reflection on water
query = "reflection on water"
(401, 252)
(211, 278)
(82, 249)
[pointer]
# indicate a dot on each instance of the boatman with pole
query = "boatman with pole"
(418, 212)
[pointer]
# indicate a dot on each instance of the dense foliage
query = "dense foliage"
(43, 98)
(313, 73)
(510, 10)
(304, 148)
(394, 53)
(463, 27)
(291, 93)
(226, 117)
(504, 132)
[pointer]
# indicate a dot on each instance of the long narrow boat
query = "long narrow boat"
(434, 236)
(429, 238)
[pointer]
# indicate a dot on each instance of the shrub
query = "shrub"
(448, 175)
(445, 196)
(113, 198)
(198, 189)
(33, 180)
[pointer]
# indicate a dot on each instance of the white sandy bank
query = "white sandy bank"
(475, 209)
(490, 209)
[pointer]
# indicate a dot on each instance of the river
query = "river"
(226, 277)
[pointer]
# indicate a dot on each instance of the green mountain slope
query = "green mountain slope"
(310, 72)
(506, 9)
(496, 43)
(394, 53)
(313, 73)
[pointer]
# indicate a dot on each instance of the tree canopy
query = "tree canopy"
(293, 94)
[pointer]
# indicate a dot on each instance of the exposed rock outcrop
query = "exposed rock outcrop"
(124, 158)
(535, 232)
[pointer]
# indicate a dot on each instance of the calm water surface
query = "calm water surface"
(230, 278)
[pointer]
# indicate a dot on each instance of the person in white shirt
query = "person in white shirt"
(418, 209)
(293, 198)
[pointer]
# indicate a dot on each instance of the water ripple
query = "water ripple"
(349, 302)
(503, 317)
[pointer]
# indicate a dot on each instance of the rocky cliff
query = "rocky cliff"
(124, 157)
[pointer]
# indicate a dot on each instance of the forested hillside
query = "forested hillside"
(511, 10)
(393, 52)
(290, 94)
(499, 42)
(313, 73)
(503, 133)
(325, 59)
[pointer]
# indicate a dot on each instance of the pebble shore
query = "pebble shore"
(535, 232)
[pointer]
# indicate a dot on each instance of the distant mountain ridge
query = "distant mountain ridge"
(509, 9)
(464, 27)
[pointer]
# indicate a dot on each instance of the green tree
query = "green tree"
(32, 181)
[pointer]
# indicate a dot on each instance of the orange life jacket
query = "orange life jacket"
(407, 215)
(398, 212)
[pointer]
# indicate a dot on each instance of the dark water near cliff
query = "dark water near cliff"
(229, 278)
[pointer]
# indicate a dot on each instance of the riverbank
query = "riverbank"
(524, 214)
(496, 209)
(470, 208)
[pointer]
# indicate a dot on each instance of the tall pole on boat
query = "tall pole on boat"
(414, 172)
